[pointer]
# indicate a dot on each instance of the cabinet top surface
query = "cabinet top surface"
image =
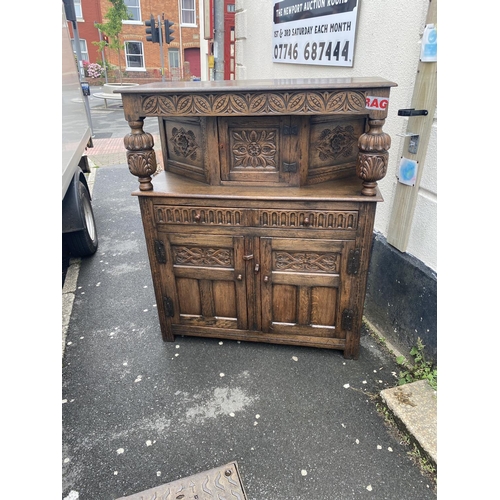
(175, 186)
(258, 85)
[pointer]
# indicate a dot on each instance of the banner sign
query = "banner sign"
(315, 32)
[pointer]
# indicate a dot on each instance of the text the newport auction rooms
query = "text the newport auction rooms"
(315, 32)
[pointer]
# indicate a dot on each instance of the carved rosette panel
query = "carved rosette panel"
(254, 149)
(337, 142)
(255, 103)
(184, 143)
(305, 262)
(373, 157)
(199, 256)
(141, 157)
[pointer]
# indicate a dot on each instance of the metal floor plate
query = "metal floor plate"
(220, 483)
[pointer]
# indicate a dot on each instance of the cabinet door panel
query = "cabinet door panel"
(206, 280)
(188, 291)
(284, 302)
(301, 286)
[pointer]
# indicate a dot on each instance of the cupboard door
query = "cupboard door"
(304, 286)
(261, 150)
(205, 280)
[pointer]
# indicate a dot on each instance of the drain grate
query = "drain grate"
(212, 484)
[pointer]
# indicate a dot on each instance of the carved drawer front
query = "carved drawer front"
(315, 219)
(200, 216)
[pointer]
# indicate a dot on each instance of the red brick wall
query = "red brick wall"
(152, 60)
(91, 10)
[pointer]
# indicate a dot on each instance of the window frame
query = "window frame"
(188, 10)
(127, 55)
(83, 50)
(171, 53)
(78, 9)
(134, 21)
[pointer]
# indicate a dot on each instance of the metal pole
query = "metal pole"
(219, 39)
(181, 48)
(103, 58)
(160, 33)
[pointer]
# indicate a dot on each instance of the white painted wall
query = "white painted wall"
(388, 46)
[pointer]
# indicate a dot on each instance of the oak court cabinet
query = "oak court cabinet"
(260, 226)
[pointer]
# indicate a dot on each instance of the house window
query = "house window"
(134, 10)
(78, 9)
(231, 8)
(173, 58)
(174, 64)
(134, 56)
(188, 12)
(83, 49)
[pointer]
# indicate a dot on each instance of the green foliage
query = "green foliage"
(420, 370)
(113, 25)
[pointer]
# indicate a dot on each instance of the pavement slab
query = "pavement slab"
(414, 406)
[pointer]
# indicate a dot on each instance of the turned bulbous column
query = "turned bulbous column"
(373, 156)
(141, 157)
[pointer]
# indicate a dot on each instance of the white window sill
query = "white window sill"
(136, 69)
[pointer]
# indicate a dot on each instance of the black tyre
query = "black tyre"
(83, 243)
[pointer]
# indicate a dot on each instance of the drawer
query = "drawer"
(315, 219)
(200, 216)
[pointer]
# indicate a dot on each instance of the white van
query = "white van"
(78, 224)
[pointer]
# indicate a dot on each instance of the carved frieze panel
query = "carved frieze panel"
(314, 219)
(195, 215)
(255, 103)
(306, 262)
(202, 256)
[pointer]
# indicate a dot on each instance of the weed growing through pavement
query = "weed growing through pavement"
(421, 369)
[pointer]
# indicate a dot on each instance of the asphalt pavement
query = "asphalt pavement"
(137, 412)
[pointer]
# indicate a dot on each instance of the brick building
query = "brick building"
(187, 56)
(88, 12)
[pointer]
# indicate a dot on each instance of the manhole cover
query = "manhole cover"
(212, 484)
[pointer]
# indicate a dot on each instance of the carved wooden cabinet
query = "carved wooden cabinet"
(260, 226)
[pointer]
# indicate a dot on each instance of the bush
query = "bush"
(93, 70)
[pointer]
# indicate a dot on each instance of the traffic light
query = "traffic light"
(153, 31)
(168, 32)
